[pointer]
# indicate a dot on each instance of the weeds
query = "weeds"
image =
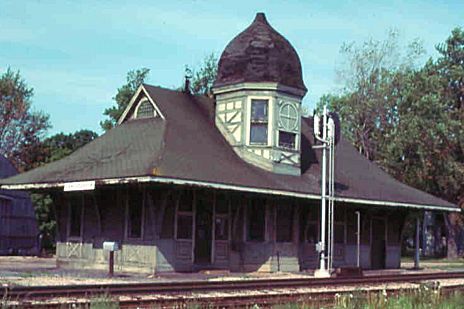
(103, 301)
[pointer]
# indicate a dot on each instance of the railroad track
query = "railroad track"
(136, 294)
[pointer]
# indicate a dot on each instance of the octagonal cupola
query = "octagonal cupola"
(258, 90)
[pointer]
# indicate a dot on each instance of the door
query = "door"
(378, 244)
(203, 231)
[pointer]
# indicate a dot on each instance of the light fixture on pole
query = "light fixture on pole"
(326, 131)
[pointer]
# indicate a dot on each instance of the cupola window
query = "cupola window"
(259, 122)
(287, 140)
(145, 110)
(288, 117)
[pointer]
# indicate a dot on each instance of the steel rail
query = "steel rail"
(37, 292)
(316, 299)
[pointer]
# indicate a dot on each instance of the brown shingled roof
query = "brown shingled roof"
(260, 54)
(187, 145)
(7, 170)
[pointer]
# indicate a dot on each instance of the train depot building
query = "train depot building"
(187, 182)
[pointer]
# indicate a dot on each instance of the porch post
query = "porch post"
(417, 249)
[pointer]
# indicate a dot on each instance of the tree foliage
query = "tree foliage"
(371, 75)
(61, 145)
(21, 128)
(134, 79)
(408, 119)
(204, 76)
(52, 149)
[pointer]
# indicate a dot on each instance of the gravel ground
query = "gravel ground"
(189, 297)
(34, 271)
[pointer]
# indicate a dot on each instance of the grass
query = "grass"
(428, 296)
(408, 259)
(103, 301)
(436, 263)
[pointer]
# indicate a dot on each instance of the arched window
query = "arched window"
(145, 110)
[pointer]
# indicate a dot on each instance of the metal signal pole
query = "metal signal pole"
(328, 140)
(322, 265)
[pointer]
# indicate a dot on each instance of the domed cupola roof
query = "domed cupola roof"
(260, 54)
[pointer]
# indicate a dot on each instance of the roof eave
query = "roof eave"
(179, 181)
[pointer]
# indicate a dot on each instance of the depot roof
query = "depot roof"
(185, 147)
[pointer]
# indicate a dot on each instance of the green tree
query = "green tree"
(125, 93)
(21, 128)
(61, 145)
(52, 149)
(370, 74)
(450, 66)
(204, 76)
(410, 121)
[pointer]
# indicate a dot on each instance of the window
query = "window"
(288, 117)
(167, 225)
(106, 201)
(185, 216)
(145, 110)
(258, 122)
(256, 220)
(309, 224)
(284, 223)
(287, 140)
(221, 220)
(75, 217)
(135, 214)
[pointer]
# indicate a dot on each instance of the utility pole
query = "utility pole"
(328, 137)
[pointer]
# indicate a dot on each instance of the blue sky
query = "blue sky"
(75, 54)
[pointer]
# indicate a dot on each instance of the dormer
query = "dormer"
(258, 90)
(141, 106)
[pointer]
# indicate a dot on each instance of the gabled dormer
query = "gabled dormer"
(141, 106)
(258, 90)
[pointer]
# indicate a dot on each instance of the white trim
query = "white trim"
(177, 181)
(395, 204)
(260, 86)
(133, 100)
